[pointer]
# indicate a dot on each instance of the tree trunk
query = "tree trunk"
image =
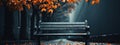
(8, 35)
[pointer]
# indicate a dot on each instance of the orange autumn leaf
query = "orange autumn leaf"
(28, 6)
(43, 9)
(54, 6)
(86, 0)
(97, 1)
(71, 1)
(93, 2)
(63, 0)
(50, 11)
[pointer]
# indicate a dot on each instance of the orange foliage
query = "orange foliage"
(28, 6)
(44, 5)
(43, 9)
(71, 1)
(50, 11)
(86, 0)
(95, 2)
(63, 0)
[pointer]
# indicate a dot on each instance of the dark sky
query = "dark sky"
(103, 18)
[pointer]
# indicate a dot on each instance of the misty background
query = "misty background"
(103, 18)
